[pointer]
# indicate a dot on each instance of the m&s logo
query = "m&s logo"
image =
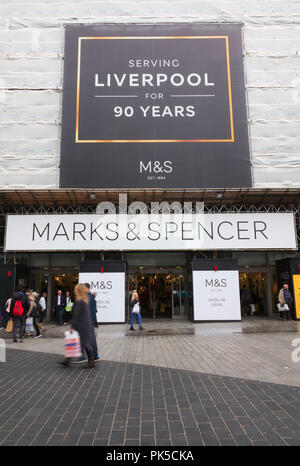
(216, 283)
(102, 285)
(156, 167)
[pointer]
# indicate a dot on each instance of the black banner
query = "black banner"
(154, 106)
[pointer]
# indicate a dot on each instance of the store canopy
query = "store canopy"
(72, 198)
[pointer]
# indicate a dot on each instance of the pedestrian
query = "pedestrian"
(134, 305)
(34, 312)
(95, 296)
(93, 313)
(82, 323)
(246, 300)
(93, 304)
(6, 312)
(59, 305)
(285, 300)
(68, 308)
(19, 306)
(43, 304)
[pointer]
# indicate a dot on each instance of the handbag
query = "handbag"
(282, 307)
(136, 309)
(10, 326)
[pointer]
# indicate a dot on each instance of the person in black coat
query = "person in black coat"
(59, 305)
(82, 323)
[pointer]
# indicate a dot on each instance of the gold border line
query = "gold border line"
(78, 88)
(229, 88)
(152, 140)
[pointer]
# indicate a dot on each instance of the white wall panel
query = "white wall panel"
(31, 64)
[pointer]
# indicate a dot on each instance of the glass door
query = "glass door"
(162, 293)
(179, 295)
(253, 293)
(163, 296)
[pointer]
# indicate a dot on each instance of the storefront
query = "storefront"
(158, 113)
(163, 278)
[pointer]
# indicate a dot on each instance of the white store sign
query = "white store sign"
(110, 289)
(216, 295)
(150, 232)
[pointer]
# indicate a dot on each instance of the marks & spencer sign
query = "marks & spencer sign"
(154, 106)
(150, 232)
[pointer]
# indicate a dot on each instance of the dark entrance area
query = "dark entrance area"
(162, 293)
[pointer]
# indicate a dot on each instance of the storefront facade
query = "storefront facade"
(164, 278)
(200, 107)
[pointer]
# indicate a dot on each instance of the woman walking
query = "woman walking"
(82, 323)
(135, 310)
(34, 312)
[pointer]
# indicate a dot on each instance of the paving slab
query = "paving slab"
(54, 399)
(221, 348)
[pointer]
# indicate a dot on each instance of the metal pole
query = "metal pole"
(49, 296)
(172, 279)
(180, 297)
(269, 287)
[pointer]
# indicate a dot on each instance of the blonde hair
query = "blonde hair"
(134, 295)
(81, 293)
(33, 296)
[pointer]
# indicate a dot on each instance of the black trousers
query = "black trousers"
(5, 318)
(37, 328)
(67, 317)
(286, 314)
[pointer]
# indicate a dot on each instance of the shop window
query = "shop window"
(277, 255)
(22, 259)
(250, 258)
(65, 259)
(40, 259)
(156, 258)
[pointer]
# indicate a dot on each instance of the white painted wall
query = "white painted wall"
(31, 63)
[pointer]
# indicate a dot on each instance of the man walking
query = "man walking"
(43, 305)
(285, 298)
(58, 305)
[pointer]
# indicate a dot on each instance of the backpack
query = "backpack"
(18, 309)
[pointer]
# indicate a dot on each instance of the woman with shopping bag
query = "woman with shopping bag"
(135, 310)
(82, 323)
(34, 312)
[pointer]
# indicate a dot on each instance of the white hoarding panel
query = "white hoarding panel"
(110, 289)
(216, 295)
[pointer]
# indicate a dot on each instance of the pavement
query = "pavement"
(223, 348)
(220, 385)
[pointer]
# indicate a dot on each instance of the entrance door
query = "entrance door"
(255, 286)
(162, 294)
(179, 295)
(64, 282)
